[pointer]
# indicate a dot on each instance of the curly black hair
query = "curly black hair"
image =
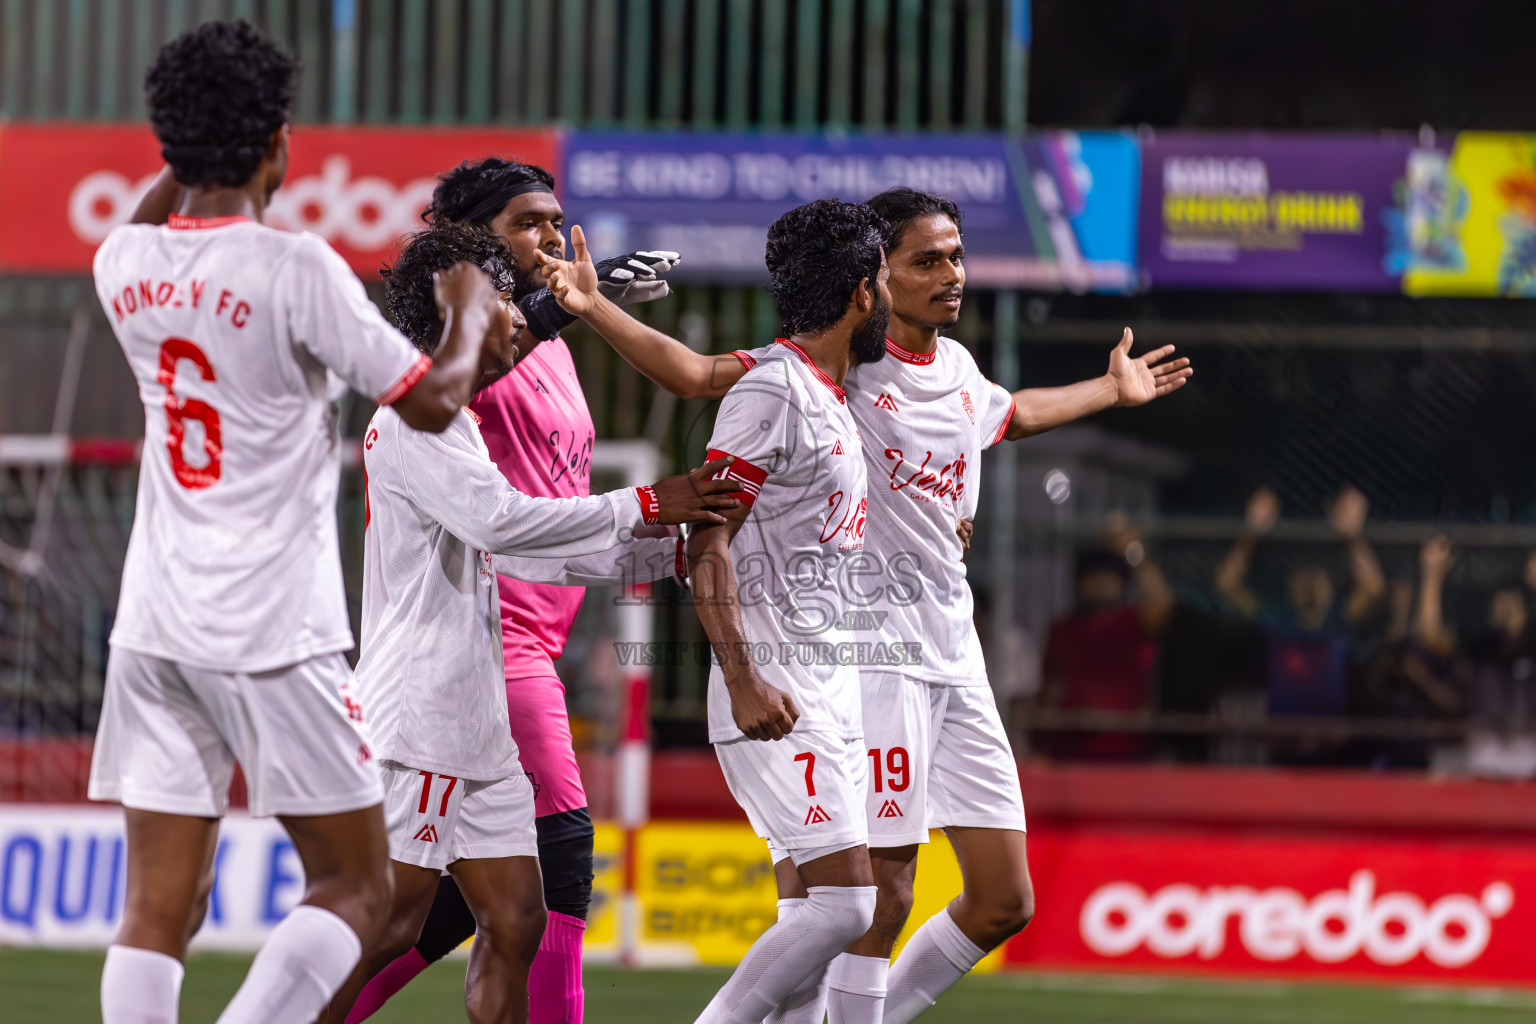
(470, 192)
(408, 291)
(817, 255)
(215, 96)
(900, 206)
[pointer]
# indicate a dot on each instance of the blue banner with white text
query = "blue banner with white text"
(1055, 210)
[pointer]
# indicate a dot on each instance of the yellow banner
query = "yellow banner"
(1471, 217)
(602, 938)
(707, 890)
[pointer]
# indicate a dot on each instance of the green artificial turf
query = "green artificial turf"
(46, 987)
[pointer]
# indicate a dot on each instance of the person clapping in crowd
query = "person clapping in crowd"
(1312, 637)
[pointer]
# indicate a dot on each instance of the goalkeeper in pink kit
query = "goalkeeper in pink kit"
(539, 431)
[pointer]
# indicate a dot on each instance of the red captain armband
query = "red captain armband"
(407, 381)
(650, 507)
(749, 476)
(680, 564)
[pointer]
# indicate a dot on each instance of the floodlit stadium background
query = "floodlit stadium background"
(1329, 208)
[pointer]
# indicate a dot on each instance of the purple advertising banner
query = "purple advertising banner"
(1269, 212)
(1053, 210)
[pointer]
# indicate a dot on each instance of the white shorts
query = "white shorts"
(170, 735)
(938, 757)
(434, 820)
(804, 793)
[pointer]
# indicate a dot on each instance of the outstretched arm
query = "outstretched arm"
(665, 360)
(636, 560)
(464, 491)
(1128, 382)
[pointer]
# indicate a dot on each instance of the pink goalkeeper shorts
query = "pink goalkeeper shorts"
(541, 728)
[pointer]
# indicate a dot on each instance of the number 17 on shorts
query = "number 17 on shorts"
(421, 811)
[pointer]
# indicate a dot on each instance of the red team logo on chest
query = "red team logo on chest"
(847, 519)
(926, 484)
(968, 405)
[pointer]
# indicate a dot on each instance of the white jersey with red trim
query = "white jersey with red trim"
(750, 357)
(926, 420)
(797, 457)
(238, 336)
(442, 522)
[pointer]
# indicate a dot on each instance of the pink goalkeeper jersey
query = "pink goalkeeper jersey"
(539, 432)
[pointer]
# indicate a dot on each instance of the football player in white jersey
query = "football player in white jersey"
(784, 710)
(441, 523)
(939, 755)
(232, 619)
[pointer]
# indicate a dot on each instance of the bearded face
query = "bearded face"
(868, 342)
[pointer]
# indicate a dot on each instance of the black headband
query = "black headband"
(485, 210)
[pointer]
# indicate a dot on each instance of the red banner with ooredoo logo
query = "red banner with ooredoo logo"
(64, 186)
(1445, 912)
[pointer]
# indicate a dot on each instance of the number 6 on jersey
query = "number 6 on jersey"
(179, 410)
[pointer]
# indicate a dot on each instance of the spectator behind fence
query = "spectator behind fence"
(1311, 636)
(1501, 690)
(1410, 675)
(1103, 655)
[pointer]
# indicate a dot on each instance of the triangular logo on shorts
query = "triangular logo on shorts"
(884, 402)
(815, 816)
(890, 809)
(428, 834)
(837, 449)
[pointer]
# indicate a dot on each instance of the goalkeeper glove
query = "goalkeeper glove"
(636, 277)
(623, 280)
(545, 316)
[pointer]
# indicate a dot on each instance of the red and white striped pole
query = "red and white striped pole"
(632, 764)
(639, 462)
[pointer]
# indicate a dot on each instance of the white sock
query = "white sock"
(857, 989)
(808, 1003)
(304, 961)
(937, 956)
(140, 986)
(789, 952)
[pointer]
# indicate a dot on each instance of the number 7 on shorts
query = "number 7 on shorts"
(810, 771)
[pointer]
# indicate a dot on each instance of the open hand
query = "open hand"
(573, 282)
(695, 498)
(1138, 381)
(761, 712)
